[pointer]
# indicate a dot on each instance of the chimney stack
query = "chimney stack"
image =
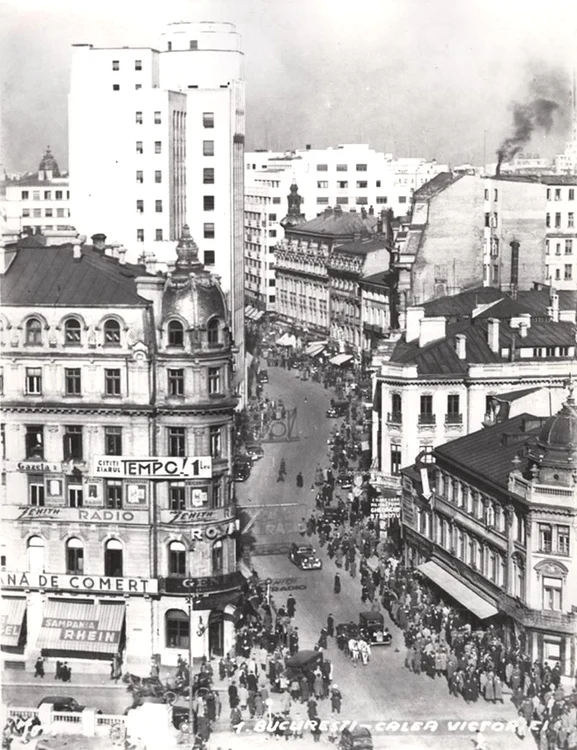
(413, 318)
(523, 329)
(99, 241)
(77, 251)
(493, 334)
(122, 255)
(554, 306)
(461, 345)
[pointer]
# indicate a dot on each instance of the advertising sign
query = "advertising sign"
(100, 584)
(153, 467)
(92, 515)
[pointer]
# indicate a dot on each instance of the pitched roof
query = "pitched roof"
(463, 303)
(489, 452)
(337, 224)
(440, 358)
(50, 275)
(362, 246)
(381, 279)
(435, 186)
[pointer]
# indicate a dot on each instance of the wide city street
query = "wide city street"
(384, 690)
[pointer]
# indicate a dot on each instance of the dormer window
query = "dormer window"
(213, 333)
(33, 332)
(175, 333)
(112, 333)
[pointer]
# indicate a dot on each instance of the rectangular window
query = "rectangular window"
(323, 184)
(60, 213)
(193, 44)
(176, 496)
(272, 217)
(426, 414)
(568, 247)
(72, 442)
(362, 184)
(548, 194)
(208, 119)
(557, 221)
(139, 207)
(209, 257)
(176, 382)
(562, 546)
(158, 206)
(140, 235)
(158, 176)
(322, 201)
(37, 213)
(547, 220)
(557, 194)
(157, 147)
(570, 220)
(157, 118)
(36, 490)
(34, 381)
(48, 213)
(382, 199)
(552, 594)
(138, 118)
(139, 177)
(361, 201)
(139, 147)
(34, 441)
(208, 176)
(47, 195)
(208, 203)
(277, 200)
(176, 441)
(158, 235)
(322, 167)
(272, 233)
(361, 167)
(208, 148)
(72, 384)
(342, 201)
(208, 230)
(214, 380)
(215, 434)
(36, 195)
(138, 65)
(395, 460)
(571, 194)
(116, 65)
(113, 441)
(402, 198)
(113, 493)
(342, 167)
(495, 195)
(342, 184)
(545, 537)
(568, 273)
(26, 213)
(25, 195)
(453, 409)
(112, 382)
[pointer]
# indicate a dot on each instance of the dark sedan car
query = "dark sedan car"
(305, 557)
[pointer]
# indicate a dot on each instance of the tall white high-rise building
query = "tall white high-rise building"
(157, 140)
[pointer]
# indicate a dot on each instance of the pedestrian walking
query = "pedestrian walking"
(58, 672)
(331, 626)
(66, 672)
(39, 667)
(291, 604)
(337, 584)
(336, 699)
(300, 481)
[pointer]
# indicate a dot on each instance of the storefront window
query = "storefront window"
(177, 629)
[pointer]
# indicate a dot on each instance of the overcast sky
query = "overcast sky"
(412, 77)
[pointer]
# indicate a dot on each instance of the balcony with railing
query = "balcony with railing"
(539, 493)
(427, 420)
(395, 418)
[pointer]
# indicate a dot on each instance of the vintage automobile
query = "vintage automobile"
(333, 514)
(372, 626)
(62, 703)
(302, 662)
(356, 738)
(254, 451)
(305, 557)
(241, 468)
(345, 480)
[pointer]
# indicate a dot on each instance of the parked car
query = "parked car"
(332, 413)
(332, 514)
(305, 557)
(254, 451)
(356, 738)
(345, 479)
(372, 624)
(62, 703)
(241, 469)
(262, 376)
(302, 662)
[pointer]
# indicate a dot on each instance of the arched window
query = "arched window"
(213, 331)
(36, 554)
(72, 332)
(217, 558)
(113, 558)
(176, 559)
(111, 333)
(175, 333)
(176, 628)
(33, 331)
(74, 556)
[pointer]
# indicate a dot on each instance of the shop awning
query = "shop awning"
(258, 315)
(13, 610)
(340, 359)
(250, 312)
(286, 339)
(75, 626)
(458, 590)
(315, 348)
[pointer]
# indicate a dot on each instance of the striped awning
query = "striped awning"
(315, 348)
(258, 316)
(80, 626)
(11, 619)
(340, 359)
(458, 590)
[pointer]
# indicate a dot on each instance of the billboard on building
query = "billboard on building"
(153, 467)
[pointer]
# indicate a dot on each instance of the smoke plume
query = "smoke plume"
(546, 105)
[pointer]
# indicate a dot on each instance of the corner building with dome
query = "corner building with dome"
(490, 521)
(117, 499)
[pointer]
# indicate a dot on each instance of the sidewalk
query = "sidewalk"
(83, 680)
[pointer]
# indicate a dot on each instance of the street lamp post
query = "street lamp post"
(190, 601)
